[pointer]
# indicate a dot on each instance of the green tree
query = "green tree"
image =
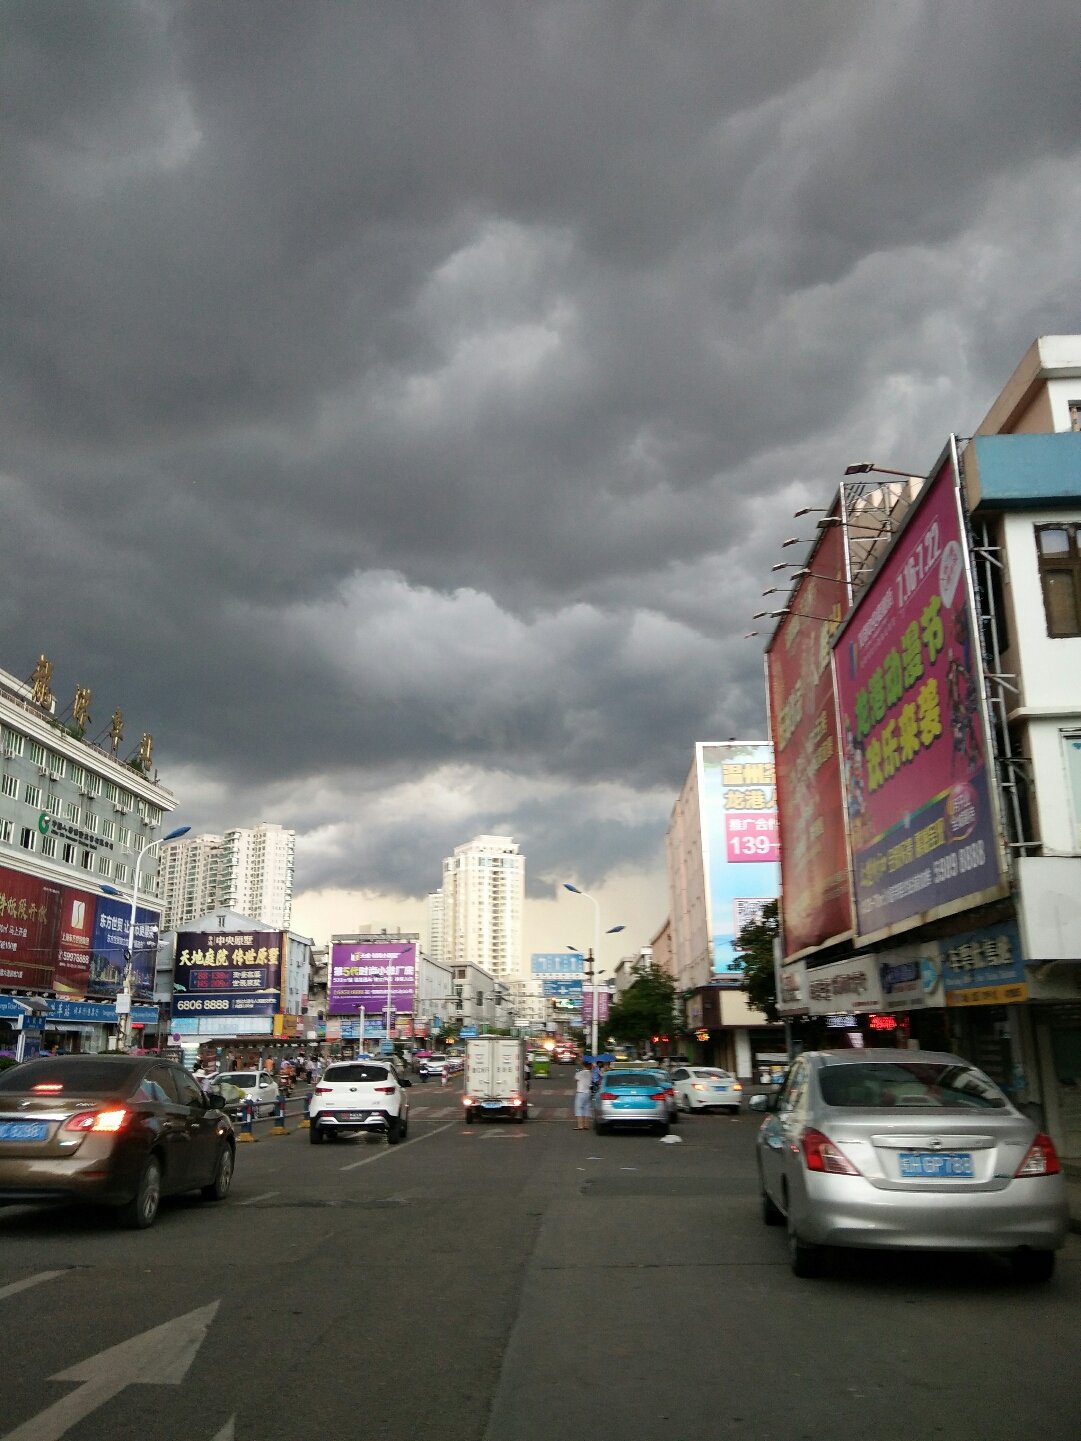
(646, 1008)
(754, 948)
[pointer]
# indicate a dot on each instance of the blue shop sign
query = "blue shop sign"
(12, 1010)
(100, 1012)
(986, 961)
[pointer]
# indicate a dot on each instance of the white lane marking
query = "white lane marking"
(160, 1356)
(253, 1200)
(227, 1432)
(30, 1281)
(382, 1155)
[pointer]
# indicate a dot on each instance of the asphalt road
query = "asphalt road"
(511, 1283)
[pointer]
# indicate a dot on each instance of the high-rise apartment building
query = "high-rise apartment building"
(435, 926)
(483, 890)
(248, 870)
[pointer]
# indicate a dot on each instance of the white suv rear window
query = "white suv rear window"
(356, 1071)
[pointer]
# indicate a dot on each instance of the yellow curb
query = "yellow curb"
(245, 1137)
(305, 1125)
(278, 1131)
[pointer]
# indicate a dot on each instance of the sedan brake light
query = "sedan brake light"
(97, 1121)
(657, 1095)
(322, 1090)
(384, 1090)
(820, 1154)
(1041, 1160)
(608, 1095)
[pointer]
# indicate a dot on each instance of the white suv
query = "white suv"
(355, 1096)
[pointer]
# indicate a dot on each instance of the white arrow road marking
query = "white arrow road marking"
(161, 1356)
(30, 1281)
(397, 1150)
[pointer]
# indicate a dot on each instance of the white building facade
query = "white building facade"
(483, 891)
(248, 870)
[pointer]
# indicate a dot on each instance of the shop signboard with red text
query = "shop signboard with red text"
(816, 903)
(922, 828)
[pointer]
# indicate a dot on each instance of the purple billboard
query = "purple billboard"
(922, 829)
(359, 975)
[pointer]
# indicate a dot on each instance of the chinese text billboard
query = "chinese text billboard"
(921, 825)
(29, 930)
(228, 973)
(359, 972)
(107, 960)
(739, 843)
(803, 720)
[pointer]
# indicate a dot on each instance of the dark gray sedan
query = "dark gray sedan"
(918, 1149)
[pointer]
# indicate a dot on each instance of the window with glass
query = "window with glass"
(48, 845)
(92, 823)
(69, 853)
(32, 795)
(71, 813)
(37, 753)
(7, 831)
(28, 838)
(1058, 549)
(105, 866)
(13, 742)
(93, 783)
(58, 767)
(53, 804)
(123, 873)
(11, 787)
(86, 860)
(78, 775)
(108, 830)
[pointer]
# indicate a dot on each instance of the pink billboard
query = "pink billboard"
(816, 905)
(922, 828)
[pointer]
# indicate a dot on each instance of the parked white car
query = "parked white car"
(235, 1086)
(355, 1096)
(707, 1088)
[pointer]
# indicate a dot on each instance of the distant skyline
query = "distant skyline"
(405, 404)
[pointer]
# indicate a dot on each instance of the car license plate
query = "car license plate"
(24, 1131)
(722, 1089)
(492, 1105)
(936, 1163)
(354, 1115)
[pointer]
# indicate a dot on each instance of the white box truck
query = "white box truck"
(495, 1078)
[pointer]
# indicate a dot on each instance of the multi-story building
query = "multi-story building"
(721, 855)
(248, 870)
(78, 828)
(925, 703)
(435, 925)
(483, 890)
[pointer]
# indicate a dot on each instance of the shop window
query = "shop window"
(1059, 551)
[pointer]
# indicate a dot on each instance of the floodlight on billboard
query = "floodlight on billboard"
(816, 903)
(923, 831)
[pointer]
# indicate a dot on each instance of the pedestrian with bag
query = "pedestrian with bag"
(583, 1095)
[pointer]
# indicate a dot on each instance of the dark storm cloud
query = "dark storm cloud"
(402, 391)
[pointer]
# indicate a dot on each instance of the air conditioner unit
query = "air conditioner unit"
(54, 776)
(119, 808)
(42, 771)
(8, 753)
(88, 794)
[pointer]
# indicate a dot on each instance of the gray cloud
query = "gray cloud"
(409, 401)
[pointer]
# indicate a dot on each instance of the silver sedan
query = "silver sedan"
(918, 1149)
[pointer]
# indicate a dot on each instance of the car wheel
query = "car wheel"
(807, 1262)
(771, 1214)
(218, 1188)
(141, 1211)
(1033, 1265)
(315, 1134)
(394, 1130)
(405, 1125)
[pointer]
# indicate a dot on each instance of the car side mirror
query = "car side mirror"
(215, 1101)
(764, 1103)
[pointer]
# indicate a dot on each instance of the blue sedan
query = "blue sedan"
(630, 1098)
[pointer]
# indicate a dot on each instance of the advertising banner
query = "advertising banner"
(603, 1000)
(738, 803)
(359, 972)
(922, 828)
(29, 928)
(110, 941)
(227, 973)
(910, 977)
(791, 988)
(984, 967)
(816, 906)
(72, 970)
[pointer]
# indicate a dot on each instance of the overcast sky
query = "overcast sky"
(405, 402)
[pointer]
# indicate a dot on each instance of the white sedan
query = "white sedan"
(707, 1088)
(257, 1086)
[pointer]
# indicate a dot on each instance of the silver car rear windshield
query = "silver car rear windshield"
(917, 1084)
(356, 1072)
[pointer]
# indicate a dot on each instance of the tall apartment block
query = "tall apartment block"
(248, 870)
(483, 889)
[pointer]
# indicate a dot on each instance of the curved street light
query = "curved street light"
(594, 953)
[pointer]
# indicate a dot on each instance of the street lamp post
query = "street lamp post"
(596, 953)
(123, 1000)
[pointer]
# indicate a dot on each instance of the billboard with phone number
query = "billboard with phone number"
(922, 829)
(738, 803)
(227, 973)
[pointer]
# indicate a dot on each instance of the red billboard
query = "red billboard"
(816, 905)
(922, 827)
(29, 922)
